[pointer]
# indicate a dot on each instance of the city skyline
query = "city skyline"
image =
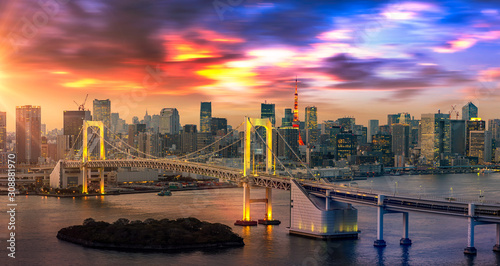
(359, 59)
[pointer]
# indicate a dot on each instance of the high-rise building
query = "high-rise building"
(347, 123)
(147, 120)
(169, 121)
(383, 145)
(28, 133)
(218, 126)
(474, 124)
(267, 110)
(457, 140)
(114, 122)
(312, 132)
(189, 139)
(205, 116)
(3, 131)
(480, 146)
(291, 136)
(469, 111)
(72, 127)
(435, 136)
(494, 128)
(399, 118)
(400, 139)
(373, 129)
(102, 112)
(345, 145)
(287, 120)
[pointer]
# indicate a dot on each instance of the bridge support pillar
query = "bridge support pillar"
(246, 221)
(380, 242)
(101, 180)
(405, 241)
(470, 249)
(84, 180)
(496, 248)
(268, 220)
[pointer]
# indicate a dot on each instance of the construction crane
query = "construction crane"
(454, 110)
(81, 107)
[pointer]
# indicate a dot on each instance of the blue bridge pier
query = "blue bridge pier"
(380, 242)
(473, 221)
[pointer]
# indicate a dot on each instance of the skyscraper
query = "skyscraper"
(218, 125)
(205, 115)
(3, 131)
(267, 110)
(347, 123)
(28, 133)
(475, 124)
(312, 131)
(469, 111)
(400, 139)
(435, 136)
(72, 125)
(457, 140)
(169, 121)
(494, 128)
(480, 146)
(373, 129)
(287, 120)
(102, 112)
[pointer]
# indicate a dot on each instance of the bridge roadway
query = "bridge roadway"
(489, 213)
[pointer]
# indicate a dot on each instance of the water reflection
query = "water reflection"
(405, 254)
(380, 255)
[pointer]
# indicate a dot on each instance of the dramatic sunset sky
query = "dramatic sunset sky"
(353, 58)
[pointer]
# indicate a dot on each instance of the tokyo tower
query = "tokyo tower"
(296, 122)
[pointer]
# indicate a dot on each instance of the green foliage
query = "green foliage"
(151, 232)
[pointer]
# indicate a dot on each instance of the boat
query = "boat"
(165, 193)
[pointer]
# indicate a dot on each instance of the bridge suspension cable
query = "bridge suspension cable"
(210, 145)
(300, 160)
(272, 152)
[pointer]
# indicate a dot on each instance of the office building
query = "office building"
(480, 146)
(494, 128)
(346, 123)
(474, 124)
(218, 126)
(373, 129)
(469, 111)
(267, 110)
(205, 116)
(457, 140)
(169, 121)
(435, 136)
(102, 112)
(382, 144)
(72, 127)
(28, 133)
(311, 124)
(400, 139)
(287, 120)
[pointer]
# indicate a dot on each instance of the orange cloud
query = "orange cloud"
(457, 45)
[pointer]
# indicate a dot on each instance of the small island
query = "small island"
(151, 235)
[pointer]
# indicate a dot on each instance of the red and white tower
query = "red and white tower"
(296, 122)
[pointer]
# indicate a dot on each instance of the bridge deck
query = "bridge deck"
(483, 212)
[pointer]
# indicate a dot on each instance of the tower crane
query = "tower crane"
(81, 107)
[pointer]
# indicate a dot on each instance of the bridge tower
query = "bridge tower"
(85, 155)
(247, 168)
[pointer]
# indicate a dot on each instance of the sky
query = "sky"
(362, 59)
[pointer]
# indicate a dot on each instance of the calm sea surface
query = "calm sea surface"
(437, 240)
